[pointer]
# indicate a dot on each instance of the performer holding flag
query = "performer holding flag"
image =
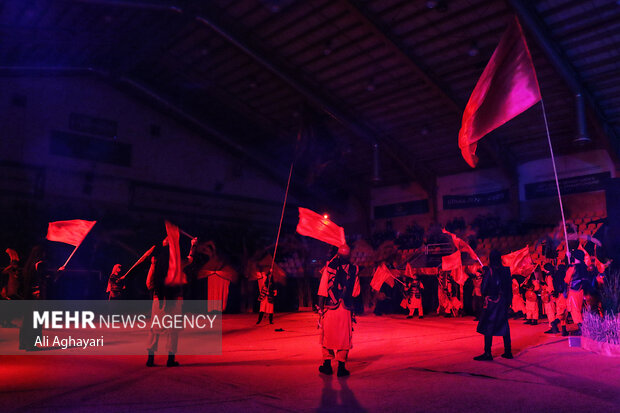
(116, 284)
(413, 293)
(70, 232)
(165, 280)
(267, 292)
(339, 284)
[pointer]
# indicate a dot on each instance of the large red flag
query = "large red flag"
(317, 226)
(175, 275)
(409, 271)
(70, 232)
(451, 262)
(463, 246)
(382, 275)
(592, 260)
(508, 86)
(519, 262)
(454, 264)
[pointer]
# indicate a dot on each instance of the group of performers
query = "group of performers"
(557, 290)
(562, 289)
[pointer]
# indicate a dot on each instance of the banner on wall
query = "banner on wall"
(475, 200)
(573, 185)
(401, 209)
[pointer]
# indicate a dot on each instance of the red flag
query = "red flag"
(12, 254)
(587, 259)
(70, 232)
(454, 264)
(459, 275)
(508, 86)
(409, 271)
(463, 246)
(382, 274)
(175, 275)
(317, 226)
(600, 267)
(519, 262)
(451, 262)
(590, 260)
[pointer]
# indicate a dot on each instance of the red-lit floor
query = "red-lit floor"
(396, 365)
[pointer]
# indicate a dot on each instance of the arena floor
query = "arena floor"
(396, 365)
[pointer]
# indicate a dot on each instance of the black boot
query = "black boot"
(260, 317)
(554, 327)
(564, 332)
(486, 356)
(527, 321)
(507, 348)
(271, 318)
(342, 372)
(150, 361)
(534, 322)
(171, 362)
(326, 368)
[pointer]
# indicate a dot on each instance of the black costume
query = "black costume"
(497, 293)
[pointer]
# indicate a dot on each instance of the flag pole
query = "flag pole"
(288, 185)
(140, 260)
(392, 275)
(555, 174)
(62, 267)
(186, 234)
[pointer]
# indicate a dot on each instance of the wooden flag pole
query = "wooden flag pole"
(392, 275)
(63, 266)
(288, 185)
(140, 261)
(186, 234)
(555, 174)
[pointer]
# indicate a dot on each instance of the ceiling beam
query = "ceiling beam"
(137, 49)
(379, 29)
(212, 18)
(534, 24)
(502, 156)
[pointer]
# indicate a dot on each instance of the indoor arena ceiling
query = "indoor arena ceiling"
(350, 74)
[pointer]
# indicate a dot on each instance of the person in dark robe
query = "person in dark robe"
(339, 285)
(497, 293)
